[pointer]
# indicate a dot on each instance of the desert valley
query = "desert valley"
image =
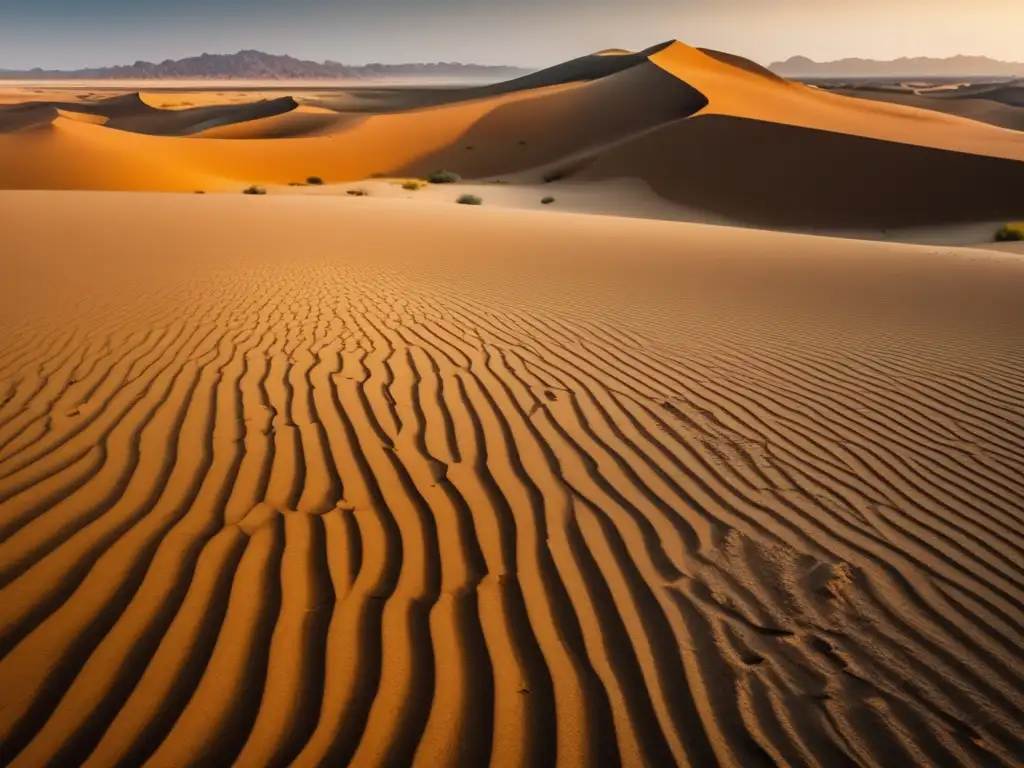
(694, 437)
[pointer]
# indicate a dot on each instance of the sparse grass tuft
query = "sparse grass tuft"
(469, 200)
(357, 192)
(444, 177)
(254, 190)
(315, 180)
(1011, 233)
(547, 201)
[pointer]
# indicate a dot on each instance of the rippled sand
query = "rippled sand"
(303, 481)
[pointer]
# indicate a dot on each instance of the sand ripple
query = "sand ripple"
(364, 507)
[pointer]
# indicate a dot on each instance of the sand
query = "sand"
(315, 479)
(318, 479)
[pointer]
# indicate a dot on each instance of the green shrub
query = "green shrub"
(413, 185)
(547, 201)
(1010, 233)
(444, 177)
(314, 180)
(254, 190)
(469, 200)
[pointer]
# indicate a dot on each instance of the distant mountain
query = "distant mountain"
(955, 66)
(256, 65)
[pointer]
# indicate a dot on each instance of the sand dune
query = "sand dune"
(810, 178)
(1000, 104)
(1011, 94)
(705, 129)
(738, 88)
(133, 112)
(301, 121)
(982, 110)
(298, 481)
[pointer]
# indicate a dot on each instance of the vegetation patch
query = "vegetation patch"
(469, 200)
(444, 177)
(357, 192)
(413, 185)
(315, 180)
(254, 190)
(1011, 233)
(547, 201)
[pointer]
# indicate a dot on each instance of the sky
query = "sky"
(66, 34)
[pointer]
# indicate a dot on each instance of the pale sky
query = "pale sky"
(75, 33)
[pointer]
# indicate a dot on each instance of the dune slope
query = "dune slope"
(303, 481)
(777, 175)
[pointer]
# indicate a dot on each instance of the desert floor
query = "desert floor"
(315, 478)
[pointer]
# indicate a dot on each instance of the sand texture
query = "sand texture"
(311, 480)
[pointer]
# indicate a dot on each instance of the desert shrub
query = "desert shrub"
(314, 180)
(413, 185)
(547, 201)
(200, 191)
(469, 200)
(444, 177)
(254, 190)
(357, 192)
(1010, 233)
(556, 175)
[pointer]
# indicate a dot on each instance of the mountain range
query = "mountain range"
(257, 65)
(954, 66)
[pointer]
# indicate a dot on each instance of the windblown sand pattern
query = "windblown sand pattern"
(447, 487)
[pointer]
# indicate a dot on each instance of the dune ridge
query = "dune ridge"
(538, 490)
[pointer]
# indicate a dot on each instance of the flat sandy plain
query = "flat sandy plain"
(313, 478)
